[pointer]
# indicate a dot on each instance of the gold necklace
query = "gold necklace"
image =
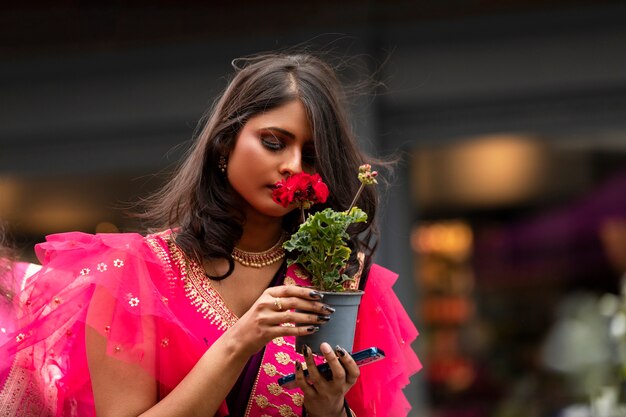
(261, 259)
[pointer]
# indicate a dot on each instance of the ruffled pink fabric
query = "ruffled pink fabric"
(383, 322)
(114, 271)
(118, 285)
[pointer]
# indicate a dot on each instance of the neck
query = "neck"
(259, 236)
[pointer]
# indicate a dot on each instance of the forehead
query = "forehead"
(291, 117)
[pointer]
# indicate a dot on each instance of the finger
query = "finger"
(301, 380)
(338, 373)
(276, 303)
(351, 368)
(315, 377)
(298, 318)
(276, 331)
(295, 291)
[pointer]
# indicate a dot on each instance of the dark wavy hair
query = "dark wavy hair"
(200, 203)
(6, 263)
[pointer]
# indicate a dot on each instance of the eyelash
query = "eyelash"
(274, 145)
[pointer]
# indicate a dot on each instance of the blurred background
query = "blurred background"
(506, 217)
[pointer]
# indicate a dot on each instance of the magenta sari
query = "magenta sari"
(156, 308)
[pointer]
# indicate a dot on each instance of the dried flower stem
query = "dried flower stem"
(356, 197)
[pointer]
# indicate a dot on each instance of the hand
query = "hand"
(264, 320)
(324, 397)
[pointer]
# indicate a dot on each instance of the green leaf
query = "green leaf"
(321, 246)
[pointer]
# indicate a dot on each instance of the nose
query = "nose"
(292, 163)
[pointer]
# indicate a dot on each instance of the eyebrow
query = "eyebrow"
(282, 131)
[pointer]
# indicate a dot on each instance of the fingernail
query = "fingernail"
(323, 318)
(312, 329)
(305, 349)
(317, 295)
(340, 351)
(298, 366)
(325, 348)
(328, 308)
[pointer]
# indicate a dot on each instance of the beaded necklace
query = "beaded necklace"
(261, 259)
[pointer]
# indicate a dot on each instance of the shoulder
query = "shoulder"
(77, 246)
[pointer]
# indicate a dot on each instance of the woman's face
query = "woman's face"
(270, 147)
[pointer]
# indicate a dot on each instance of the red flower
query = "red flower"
(303, 189)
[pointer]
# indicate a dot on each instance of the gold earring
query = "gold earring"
(222, 165)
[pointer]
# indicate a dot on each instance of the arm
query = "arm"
(123, 389)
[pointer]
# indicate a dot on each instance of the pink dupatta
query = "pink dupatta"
(158, 310)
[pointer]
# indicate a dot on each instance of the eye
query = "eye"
(272, 143)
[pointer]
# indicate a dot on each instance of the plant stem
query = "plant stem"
(356, 197)
(302, 214)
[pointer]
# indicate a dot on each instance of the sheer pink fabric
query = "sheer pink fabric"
(383, 322)
(128, 290)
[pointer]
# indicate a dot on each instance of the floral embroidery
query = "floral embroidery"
(165, 342)
(134, 302)
(107, 329)
(118, 263)
(270, 369)
(118, 348)
(286, 411)
(262, 401)
(300, 273)
(101, 267)
(289, 281)
(275, 389)
(298, 399)
(282, 358)
(279, 341)
(20, 337)
(85, 271)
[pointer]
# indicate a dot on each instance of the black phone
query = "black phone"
(362, 357)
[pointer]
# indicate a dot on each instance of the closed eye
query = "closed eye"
(272, 143)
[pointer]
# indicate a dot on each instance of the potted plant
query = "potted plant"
(320, 247)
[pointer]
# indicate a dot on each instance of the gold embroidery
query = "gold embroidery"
(298, 399)
(353, 284)
(198, 288)
(270, 369)
(25, 394)
(300, 273)
(279, 341)
(289, 281)
(282, 358)
(275, 389)
(164, 257)
(262, 401)
(286, 411)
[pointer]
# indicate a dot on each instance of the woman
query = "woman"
(183, 322)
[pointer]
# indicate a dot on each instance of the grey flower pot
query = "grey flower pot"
(339, 330)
